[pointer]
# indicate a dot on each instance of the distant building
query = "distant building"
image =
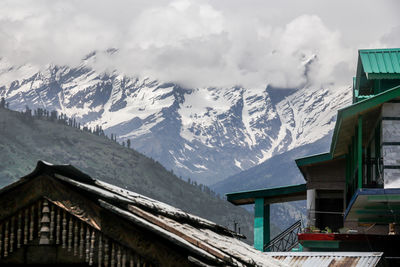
(353, 191)
(59, 216)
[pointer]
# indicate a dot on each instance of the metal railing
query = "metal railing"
(286, 240)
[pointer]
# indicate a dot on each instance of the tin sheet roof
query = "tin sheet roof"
(380, 61)
(322, 259)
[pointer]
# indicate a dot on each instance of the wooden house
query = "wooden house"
(58, 215)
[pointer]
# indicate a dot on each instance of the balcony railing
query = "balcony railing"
(286, 240)
(372, 176)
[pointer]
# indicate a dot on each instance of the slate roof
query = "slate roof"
(200, 236)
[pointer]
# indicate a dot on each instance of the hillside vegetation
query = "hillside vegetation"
(25, 140)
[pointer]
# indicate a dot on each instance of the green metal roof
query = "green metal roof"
(270, 195)
(372, 64)
(350, 113)
(381, 63)
(345, 122)
(313, 159)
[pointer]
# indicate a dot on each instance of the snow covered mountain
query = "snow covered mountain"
(205, 134)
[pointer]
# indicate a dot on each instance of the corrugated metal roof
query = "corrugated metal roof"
(381, 61)
(330, 259)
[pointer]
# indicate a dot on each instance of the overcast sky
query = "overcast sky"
(203, 43)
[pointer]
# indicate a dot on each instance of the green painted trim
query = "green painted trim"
(313, 159)
(261, 224)
(267, 225)
(359, 153)
(379, 76)
(379, 212)
(392, 206)
(371, 102)
(379, 50)
(379, 220)
(267, 193)
(320, 244)
(384, 198)
(359, 107)
(299, 248)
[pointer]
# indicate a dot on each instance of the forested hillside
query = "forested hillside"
(25, 139)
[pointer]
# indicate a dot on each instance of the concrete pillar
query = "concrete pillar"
(359, 154)
(311, 207)
(390, 142)
(261, 224)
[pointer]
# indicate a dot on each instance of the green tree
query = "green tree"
(53, 115)
(2, 103)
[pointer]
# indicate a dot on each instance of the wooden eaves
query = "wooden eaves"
(344, 127)
(270, 195)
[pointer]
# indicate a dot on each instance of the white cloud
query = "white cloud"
(392, 38)
(195, 43)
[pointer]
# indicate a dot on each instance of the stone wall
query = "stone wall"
(390, 142)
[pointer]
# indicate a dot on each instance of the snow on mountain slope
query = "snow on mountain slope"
(206, 134)
(201, 111)
(309, 114)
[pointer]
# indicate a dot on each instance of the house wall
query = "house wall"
(147, 245)
(331, 175)
(325, 181)
(391, 144)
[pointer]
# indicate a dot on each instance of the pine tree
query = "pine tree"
(2, 103)
(53, 115)
(28, 111)
(128, 143)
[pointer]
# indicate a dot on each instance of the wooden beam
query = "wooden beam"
(136, 243)
(159, 222)
(276, 194)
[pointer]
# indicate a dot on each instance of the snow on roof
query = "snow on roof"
(198, 235)
(331, 259)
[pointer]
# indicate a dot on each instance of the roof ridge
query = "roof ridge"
(173, 212)
(369, 50)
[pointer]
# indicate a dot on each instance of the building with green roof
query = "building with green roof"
(353, 190)
(377, 71)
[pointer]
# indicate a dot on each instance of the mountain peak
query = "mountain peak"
(192, 131)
